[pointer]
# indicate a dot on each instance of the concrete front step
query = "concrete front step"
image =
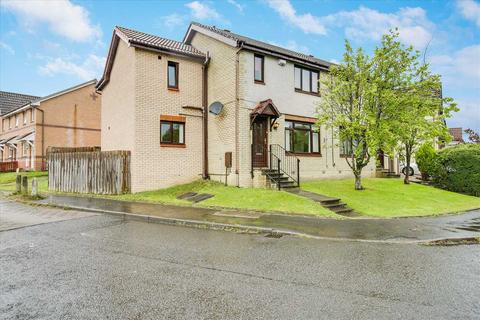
(332, 204)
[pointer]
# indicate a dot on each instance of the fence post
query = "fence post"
(34, 188)
(18, 184)
(25, 185)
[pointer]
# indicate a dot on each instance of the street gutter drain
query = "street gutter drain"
(274, 235)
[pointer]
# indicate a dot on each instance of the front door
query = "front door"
(260, 143)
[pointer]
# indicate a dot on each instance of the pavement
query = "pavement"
(398, 230)
(106, 267)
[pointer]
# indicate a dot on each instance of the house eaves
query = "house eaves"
(148, 42)
(236, 40)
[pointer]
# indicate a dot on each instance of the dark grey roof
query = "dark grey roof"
(140, 38)
(10, 101)
(264, 45)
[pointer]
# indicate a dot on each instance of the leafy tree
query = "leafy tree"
(410, 97)
(472, 135)
(347, 96)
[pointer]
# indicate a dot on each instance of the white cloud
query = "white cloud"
(173, 20)
(63, 17)
(306, 22)
(7, 48)
(365, 23)
(460, 69)
(236, 5)
(202, 11)
(90, 68)
(470, 10)
(467, 117)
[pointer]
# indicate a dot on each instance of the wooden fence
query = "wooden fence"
(88, 170)
(8, 166)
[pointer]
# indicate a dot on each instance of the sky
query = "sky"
(47, 46)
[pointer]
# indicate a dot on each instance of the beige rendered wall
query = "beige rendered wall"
(118, 102)
(221, 87)
(279, 86)
(155, 166)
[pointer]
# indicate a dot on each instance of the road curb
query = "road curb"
(274, 232)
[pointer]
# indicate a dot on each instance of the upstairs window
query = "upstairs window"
(259, 69)
(172, 73)
(306, 80)
(16, 120)
(24, 117)
(32, 115)
(301, 137)
(172, 132)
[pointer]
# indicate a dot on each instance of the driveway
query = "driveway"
(103, 267)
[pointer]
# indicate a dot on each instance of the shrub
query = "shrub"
(458, 169)
(426, 157)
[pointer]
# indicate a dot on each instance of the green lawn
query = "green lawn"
(7, 180)
(391, 198)
(232, 197)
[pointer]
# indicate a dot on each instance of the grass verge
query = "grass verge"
(234, 198)
(391, 198)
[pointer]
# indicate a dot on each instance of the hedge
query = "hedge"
(458, 169)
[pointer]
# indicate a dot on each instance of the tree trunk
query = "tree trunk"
(408, 155)
(358, 181)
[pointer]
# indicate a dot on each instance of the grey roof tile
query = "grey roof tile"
(264, 45)
(149, 40)
(10, 101)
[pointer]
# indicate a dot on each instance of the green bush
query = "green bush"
(426, 158)
(458, 169)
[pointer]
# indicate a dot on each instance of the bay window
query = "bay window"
(302, 137)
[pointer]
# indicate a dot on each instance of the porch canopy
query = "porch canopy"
(11, 142)
(28, 138)
(265, 108)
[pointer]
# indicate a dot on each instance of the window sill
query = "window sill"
(173, 145)
(307, 92)
(300, 154)
(259, 82)
(173, 89)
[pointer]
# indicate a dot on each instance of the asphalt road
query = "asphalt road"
(100, 267)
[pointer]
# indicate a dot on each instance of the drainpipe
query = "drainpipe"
(43, 136)
(205, 117)
(237, 111)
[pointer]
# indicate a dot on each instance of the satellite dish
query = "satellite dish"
(215, 108)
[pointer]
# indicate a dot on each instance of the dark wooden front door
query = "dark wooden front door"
(260, 143)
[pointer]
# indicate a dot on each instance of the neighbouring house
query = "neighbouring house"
(457, 136)
(69, 118)
(217, 105)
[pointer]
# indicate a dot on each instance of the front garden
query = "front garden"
(386, 198)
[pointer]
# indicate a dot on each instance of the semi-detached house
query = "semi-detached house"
(218, 105)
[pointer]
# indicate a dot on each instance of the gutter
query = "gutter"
(237, 110)
(43, 136)
(205, 116)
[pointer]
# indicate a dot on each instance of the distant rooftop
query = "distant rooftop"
(10, 101)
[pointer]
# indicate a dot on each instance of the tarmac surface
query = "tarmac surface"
(454, 226)
(105, 267)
